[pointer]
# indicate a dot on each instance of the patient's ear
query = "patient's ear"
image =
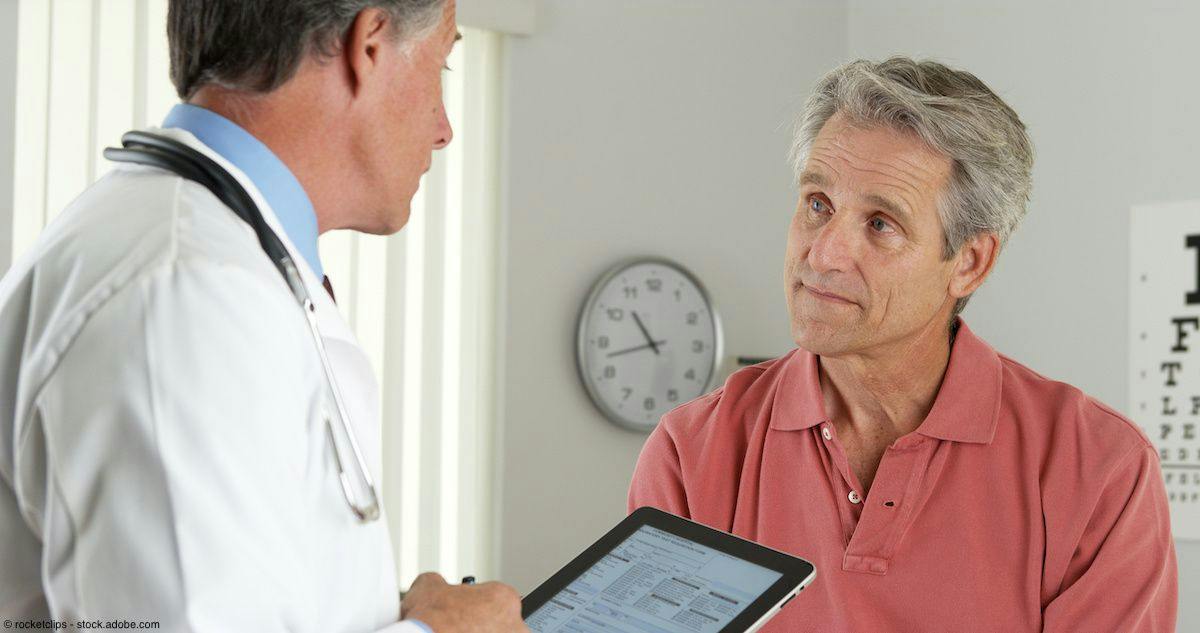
(973, 263)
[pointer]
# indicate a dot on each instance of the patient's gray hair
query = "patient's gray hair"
(954, 113)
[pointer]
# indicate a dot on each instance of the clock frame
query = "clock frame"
(675, 346)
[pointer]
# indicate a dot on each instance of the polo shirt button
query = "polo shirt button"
(853, 496)
(825, 433)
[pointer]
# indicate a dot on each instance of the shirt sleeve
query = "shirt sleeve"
(1123, 575)
(187, 476)
(408, 626)
(658, 477)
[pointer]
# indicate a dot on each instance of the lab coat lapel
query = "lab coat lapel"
(352, 368)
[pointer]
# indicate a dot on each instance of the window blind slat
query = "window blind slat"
(433, 220)
(159, 93)
(33, 88)
(452, 320)
(114, 78)
(480, 307)
(68, 138)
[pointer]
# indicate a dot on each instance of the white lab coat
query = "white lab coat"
(163, 452)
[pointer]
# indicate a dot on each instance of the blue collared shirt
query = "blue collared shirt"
(272, 178)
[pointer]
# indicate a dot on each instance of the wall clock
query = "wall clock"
(649, 340)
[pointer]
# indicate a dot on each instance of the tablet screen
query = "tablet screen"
(655, 581)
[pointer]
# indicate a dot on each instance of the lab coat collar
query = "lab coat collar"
(332, 325)
(274, 180)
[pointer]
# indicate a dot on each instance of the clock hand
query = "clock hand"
(642, 327)
(639, 347)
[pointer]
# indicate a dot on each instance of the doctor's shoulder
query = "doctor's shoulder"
(136, 230)
(138, 222)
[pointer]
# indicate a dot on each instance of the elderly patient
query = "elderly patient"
(936, 484)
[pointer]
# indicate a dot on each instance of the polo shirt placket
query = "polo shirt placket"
(875, 526)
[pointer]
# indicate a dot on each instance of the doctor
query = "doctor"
(165, 450)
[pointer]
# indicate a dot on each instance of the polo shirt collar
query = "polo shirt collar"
(966, 408)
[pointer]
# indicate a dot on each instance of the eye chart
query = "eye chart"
(1164, 359)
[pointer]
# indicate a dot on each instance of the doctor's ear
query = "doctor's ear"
(367, 40)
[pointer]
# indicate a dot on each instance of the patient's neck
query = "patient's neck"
(885, 393)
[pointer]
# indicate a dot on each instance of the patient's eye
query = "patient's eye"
(880, 225)
(816, 205)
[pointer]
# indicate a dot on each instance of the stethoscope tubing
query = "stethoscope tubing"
(152, 150)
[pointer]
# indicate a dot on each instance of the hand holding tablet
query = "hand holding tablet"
(658, 572)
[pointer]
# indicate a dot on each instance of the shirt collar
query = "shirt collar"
(966, 408)
(273, 179)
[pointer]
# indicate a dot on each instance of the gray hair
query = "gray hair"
(257, 45)
(954, 113)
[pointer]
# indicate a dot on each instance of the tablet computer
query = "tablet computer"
(659, 572)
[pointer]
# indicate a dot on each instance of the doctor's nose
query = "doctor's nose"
(445, 133)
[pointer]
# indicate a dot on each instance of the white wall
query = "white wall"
(1111, 100)
(635, 127)
(8, 119)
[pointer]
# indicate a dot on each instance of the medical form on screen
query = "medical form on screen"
(655, 581)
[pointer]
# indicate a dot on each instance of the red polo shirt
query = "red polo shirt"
(1019, 504)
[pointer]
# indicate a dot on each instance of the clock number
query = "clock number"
(672, 395)
(627, 391)
(697, 346)
(654, 285)
(616, 314)
(610, 371)
(692, 318)
(602, 342)
(690, 374)
(678, 295)
(630, 292)
(649, 404)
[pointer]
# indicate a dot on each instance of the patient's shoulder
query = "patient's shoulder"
(1059, 420)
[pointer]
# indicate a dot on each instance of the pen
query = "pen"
(467, 580)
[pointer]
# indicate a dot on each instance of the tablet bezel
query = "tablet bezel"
(796, 572)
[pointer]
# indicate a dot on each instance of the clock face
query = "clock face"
(649, 341)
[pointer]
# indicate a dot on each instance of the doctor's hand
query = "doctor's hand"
(488, 607)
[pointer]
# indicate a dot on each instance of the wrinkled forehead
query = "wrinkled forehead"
(854, 155)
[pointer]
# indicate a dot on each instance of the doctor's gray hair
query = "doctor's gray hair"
(955, 114)
(257, 45)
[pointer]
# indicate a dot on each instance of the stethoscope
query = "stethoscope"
(164, 153)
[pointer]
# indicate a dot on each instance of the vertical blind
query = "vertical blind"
(87, 70)
(422, 303)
